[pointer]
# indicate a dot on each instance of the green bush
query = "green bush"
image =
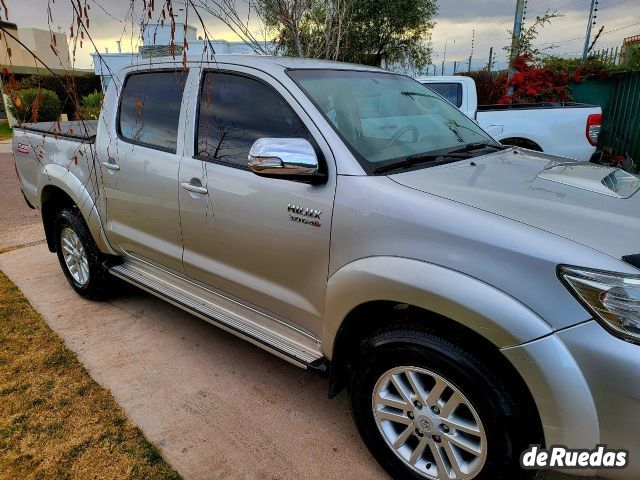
(632, 58)
(67, 87)
(35, 105)
(90, 106)
(592, 67)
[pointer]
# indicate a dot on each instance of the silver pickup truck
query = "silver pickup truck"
(474, 299)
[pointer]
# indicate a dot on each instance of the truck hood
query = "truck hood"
(590, 204)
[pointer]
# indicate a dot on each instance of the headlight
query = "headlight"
(612, 298)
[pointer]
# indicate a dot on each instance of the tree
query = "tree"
(362, 31)
(306, 28)
(384, 31)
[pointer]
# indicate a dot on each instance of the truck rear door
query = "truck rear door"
(140, 168)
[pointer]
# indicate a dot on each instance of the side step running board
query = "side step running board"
(275, 336)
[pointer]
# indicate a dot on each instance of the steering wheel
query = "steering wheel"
(396, 136)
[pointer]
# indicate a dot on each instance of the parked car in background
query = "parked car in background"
(566, 129)
(474, 299)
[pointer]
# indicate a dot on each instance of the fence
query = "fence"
(610, 55)
(619, 97)
(621, 127)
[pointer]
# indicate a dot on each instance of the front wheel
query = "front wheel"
(429, 410)
(79, 256)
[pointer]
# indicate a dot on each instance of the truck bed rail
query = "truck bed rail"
(529, 106)
(79, 130)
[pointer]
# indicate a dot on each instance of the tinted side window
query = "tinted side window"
(450, 91)
(234, 112)
(150, 108)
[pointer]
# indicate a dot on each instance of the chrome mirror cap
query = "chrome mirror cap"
(283, 157)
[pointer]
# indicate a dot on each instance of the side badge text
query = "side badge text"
(306, 216)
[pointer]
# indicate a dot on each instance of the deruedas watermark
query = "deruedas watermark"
(557, 456)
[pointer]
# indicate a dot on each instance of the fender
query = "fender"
(63, 178)
(562, 395)
(490, 312)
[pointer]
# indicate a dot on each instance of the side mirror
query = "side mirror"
(283, 157)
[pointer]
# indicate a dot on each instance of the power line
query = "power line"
(583, 37)
(575, 52)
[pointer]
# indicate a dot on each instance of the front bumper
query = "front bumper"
(611, 367)
(586, 384)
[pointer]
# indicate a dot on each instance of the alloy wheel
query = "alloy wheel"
(429, 424)
(75, 256)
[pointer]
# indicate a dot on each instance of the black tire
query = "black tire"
(505, 425)
(98, 283)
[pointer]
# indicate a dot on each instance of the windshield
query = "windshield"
(386, 118)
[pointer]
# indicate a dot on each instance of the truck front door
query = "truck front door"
(248, 236)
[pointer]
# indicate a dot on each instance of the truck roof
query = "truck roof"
(266, 61)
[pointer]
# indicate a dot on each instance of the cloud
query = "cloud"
(465, 10)
(493, 19)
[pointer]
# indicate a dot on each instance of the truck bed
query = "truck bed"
(79, 130)
(59, 148)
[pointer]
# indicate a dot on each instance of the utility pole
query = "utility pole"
(473, 41)
(490, 64)
(517, 28)
(515, 41)
(592, 21)
(444, 57)
(455, 66)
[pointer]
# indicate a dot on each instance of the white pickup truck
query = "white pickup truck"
(565, 129)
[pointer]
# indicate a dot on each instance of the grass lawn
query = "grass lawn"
(55, 421)
(5, 131)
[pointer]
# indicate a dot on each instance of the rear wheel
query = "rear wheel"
(79, 257)
(429, 410)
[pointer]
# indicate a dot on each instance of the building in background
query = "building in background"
(39, 42)
(17, 57)
(156, 42)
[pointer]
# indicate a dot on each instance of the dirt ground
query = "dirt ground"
(216, 406)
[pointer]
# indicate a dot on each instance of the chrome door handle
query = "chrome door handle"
(111, 165)
(190, 187)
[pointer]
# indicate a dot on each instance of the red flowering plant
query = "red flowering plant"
(532, 83)
(529, 80)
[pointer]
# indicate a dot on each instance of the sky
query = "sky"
(110, 20)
